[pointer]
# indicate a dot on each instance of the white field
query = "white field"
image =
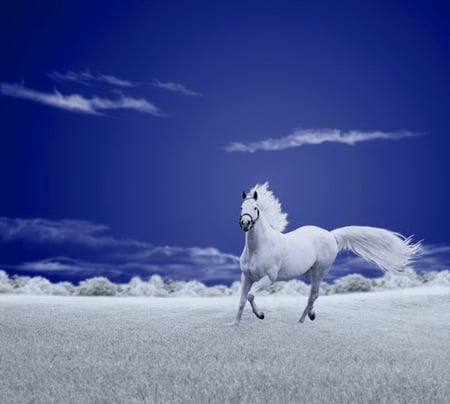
(382, 347)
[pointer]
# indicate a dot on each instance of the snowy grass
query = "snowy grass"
(381, 347)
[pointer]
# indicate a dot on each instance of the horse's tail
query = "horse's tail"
(390, 251)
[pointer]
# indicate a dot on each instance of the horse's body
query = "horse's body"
(270, 255)
(284, 256)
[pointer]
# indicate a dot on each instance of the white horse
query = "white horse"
(270, 255)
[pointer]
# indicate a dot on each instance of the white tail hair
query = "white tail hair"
(390, 251)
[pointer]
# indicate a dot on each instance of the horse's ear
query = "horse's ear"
(255, 196)
(244, 195)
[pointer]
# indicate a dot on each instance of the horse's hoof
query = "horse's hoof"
(312, 316)
(261, 316)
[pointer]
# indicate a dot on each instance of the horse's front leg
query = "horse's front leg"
(245, 287)
(263, 283)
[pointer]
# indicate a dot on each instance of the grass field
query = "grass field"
(383, 347)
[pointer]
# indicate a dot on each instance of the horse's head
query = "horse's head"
(249, 211)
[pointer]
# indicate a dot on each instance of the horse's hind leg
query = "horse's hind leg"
(307, 275)
(316, 275)
(314, 294)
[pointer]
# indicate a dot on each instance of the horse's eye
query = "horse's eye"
(255, 208)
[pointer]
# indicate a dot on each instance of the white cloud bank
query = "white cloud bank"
(300, 137)
(99, 253)
(77, 102)
(175, 87)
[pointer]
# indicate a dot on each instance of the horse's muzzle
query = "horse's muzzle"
(246, 222)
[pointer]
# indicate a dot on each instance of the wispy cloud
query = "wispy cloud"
(434, 257)
(78, 103)
(99, 253)
(56, 264)
(176, 87)
(80, 232)
(87, 78)
(300, 137)
(180, 267)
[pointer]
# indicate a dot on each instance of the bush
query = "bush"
(236, 288)
(436, 278)
(173, 287)
(352, 283)
(442, 278)
(64, 289)
(294, 287)
(325, 289)
(36, 285)
(97, 286)
(157, 282)
(405, 279)
(155, 286)
(137, 287)
(192, 288)
(272, 289)
(219, 290)
(428, 277)
(19, 281)
(5, 284)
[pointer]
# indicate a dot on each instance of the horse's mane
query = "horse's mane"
(270, 206)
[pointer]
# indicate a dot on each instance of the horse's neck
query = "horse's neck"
(259, 235)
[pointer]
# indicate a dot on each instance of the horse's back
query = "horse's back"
(321, 240)
(304, 247)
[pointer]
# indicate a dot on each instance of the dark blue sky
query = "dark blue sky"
(261, 70)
